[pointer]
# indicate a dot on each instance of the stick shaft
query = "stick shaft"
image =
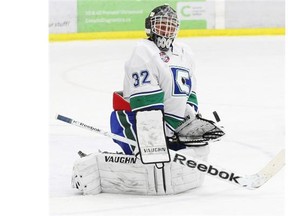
(96, 130)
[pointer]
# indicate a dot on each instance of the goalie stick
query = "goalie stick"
(246, 181)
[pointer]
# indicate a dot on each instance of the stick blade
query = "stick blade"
(271, 169)
(274, 165)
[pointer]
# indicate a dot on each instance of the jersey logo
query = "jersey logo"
(181, 81)
(164, 57)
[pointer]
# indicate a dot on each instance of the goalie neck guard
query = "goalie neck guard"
(162, 26)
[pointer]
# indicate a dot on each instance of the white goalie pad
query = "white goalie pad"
(125, 174)
(86, 177)
(151, 137)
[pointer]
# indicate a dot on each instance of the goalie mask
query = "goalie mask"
(162, 26)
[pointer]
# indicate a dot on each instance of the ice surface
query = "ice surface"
(242, 78)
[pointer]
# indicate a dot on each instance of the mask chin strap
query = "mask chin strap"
(163, 43)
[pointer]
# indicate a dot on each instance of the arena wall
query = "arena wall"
(124, 19)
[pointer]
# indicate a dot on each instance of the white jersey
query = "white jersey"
(161, 80)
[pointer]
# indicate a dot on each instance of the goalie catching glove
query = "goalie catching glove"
(195, 131)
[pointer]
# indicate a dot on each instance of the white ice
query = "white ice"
(242, 78)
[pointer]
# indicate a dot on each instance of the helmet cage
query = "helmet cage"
(164, 26)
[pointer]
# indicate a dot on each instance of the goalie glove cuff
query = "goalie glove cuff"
(175, 144)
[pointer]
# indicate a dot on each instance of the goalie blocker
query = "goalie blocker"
(151, 138)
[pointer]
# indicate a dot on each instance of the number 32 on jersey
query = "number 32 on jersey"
(141, 78)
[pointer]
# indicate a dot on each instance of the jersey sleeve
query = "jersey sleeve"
(193, 101)
(141, 86)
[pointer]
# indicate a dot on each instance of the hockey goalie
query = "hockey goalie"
(157, 108)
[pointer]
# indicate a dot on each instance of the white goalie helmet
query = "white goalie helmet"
(162, 26)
